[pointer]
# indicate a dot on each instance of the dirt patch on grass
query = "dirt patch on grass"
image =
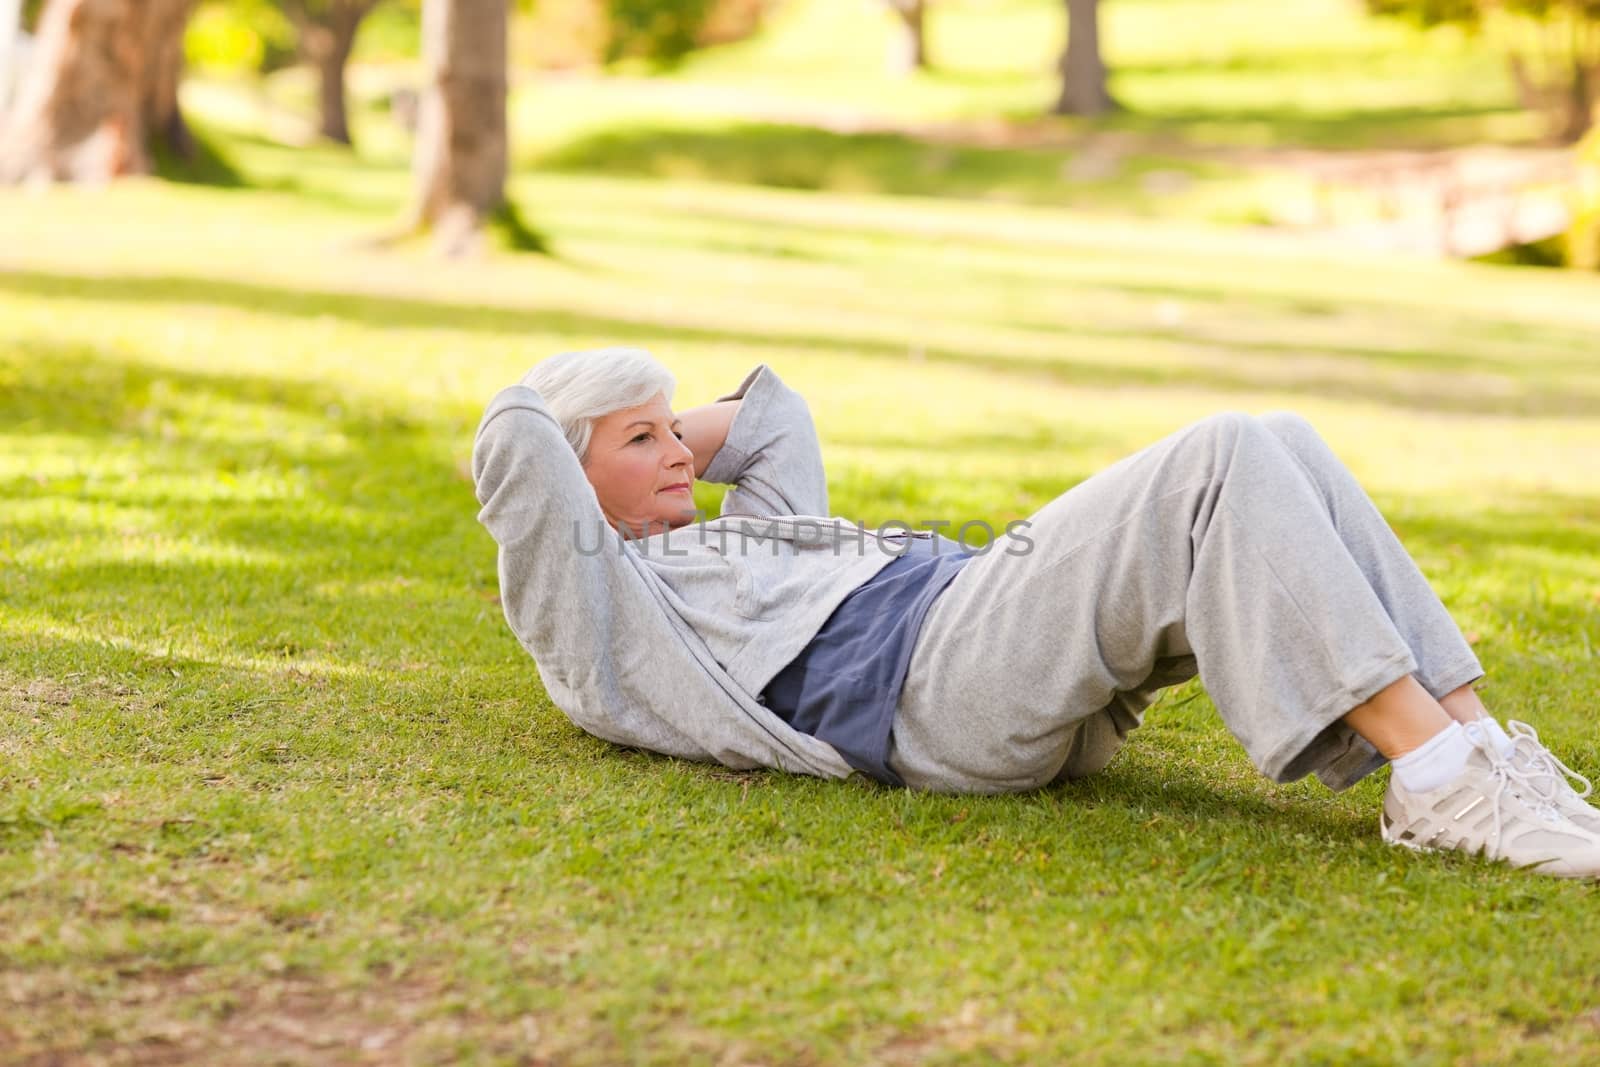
(201, 1016)
(35, 696)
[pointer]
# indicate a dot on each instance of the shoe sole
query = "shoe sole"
(1536, 867)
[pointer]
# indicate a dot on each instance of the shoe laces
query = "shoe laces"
(1508, 776)
(1544, 764)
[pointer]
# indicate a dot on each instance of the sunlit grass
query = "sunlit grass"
(1240, 63)
(1211, 87)
(274, 773)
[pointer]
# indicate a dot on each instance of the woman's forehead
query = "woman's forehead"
(654, 410)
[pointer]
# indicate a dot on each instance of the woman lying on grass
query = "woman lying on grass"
(1238, 548)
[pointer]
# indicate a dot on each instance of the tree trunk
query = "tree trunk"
(460, 158)
(1530, 94)
(330, 72)
(163, 32)
(908, 51)
(103, 83)
(1579, 100)
(327, 43)
(1083, 69)
(1564, 87)
(10, 34)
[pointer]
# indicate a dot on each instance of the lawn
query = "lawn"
(277, 784)
(1229, 104)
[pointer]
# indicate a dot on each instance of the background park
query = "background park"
(277, 785)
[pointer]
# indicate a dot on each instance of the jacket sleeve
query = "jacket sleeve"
(771, 458)
(573, 598)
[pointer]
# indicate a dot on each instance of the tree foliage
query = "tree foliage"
(664, 31)
(269, 34)
(1474, 12)
(1552, 47)
(1583, 240)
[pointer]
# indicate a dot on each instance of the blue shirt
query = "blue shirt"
(845, 684)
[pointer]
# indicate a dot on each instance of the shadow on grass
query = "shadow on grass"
(1409, 128)
(1558, 523)
(302, 519)
(1383, 123)
(1503, 388)
(792, 156)
(232, 159)
(806, 157)
(1438, 393)
(203, 162)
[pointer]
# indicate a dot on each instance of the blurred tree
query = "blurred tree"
(239, 37)
(101, 92)
(1552, 46)
(1083, 68)
(1583, 240)
(567, 34)
(326, 31)
(663, 31)
(908, 51)
(10, 44)
(460, 156)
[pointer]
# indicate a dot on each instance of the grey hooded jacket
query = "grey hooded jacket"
(664, 642)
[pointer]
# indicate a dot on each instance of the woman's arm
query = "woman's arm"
(704, 430)
(573, 596)
(770, 455)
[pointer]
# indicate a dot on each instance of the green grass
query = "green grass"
(277, 785)
(1219, 94)
(1240, 72)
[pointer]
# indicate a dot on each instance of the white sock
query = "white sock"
(1492, 729)
(1438, 761)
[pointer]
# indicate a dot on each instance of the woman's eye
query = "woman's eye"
(678, 435)
(641, 437)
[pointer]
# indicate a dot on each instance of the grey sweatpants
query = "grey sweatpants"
(1238, 548)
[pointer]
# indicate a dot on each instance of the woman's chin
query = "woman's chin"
(684, 518)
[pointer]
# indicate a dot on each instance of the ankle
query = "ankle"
(1490, 730)
(1435, 763)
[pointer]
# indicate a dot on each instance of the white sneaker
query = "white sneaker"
(1494, 809)
(1553, 778)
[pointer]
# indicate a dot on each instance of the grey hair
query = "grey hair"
(580, 387)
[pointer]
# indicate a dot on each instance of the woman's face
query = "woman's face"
(642, 473)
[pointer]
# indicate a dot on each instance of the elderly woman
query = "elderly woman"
(1238, 548)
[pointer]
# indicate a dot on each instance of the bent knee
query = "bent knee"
(1227, 422)
(1221, 432)
(1281, 422)
(1225, 429)
(1289, 426)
